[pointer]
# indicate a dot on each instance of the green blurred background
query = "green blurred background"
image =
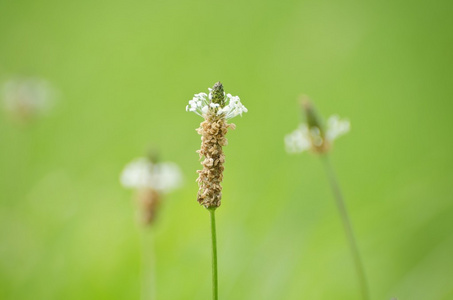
(125, 70)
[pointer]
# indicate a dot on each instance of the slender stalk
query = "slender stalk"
(347, 226)
(215, 289)
(148, 290)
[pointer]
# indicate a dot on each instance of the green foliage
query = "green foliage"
(125, 72)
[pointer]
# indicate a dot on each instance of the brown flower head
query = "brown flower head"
(216, 108)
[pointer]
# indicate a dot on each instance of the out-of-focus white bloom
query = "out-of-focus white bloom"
(298, 140)
(201, 104)
(303, 139)
(141, 173)
(27, 97)
(336, 127)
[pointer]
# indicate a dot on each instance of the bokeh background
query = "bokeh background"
(124, 71)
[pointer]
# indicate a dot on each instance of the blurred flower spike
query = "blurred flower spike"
(216, 108)
(142, 173)
(314, 135)
(27, 98)
(151, 180)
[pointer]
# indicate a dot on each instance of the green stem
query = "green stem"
(215, 289)
(148, 290)
(347, 227)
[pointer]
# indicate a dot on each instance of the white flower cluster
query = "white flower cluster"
(28, 95)
(303, 139)
(141, 173)
(336, 127)
(201, 104)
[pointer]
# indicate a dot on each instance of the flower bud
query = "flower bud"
(218, 95)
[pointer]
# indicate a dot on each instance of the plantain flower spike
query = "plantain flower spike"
(151, 180)
(314, 135)
(28, 98)
(216, 108)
